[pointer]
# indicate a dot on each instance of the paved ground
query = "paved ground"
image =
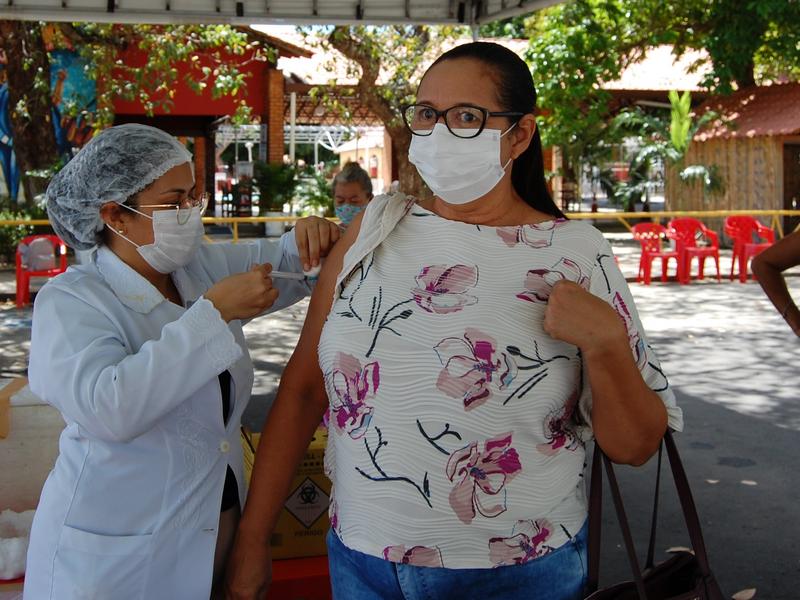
(732, 363)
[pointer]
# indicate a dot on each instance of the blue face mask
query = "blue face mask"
(347, 212)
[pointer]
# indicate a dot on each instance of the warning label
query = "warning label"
(307, 503)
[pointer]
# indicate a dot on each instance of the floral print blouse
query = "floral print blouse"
(457, 425)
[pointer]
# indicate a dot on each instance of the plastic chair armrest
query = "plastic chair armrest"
(712, 236)
(765, 233)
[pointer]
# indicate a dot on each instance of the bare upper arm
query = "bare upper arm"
(321, 300)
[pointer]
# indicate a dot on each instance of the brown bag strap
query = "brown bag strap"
(687, 505)
(595, 516)
(649, 563)
(595, 520)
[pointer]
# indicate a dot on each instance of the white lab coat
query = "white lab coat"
(132, 506)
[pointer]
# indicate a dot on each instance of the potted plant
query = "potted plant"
(315, 191)
(275, 184)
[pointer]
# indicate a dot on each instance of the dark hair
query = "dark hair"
(516, 93)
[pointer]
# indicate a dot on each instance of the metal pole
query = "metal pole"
(292, 123)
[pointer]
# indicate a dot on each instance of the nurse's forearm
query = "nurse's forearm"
(292, 421)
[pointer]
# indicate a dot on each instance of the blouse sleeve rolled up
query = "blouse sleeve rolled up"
(81, 364)
(608, 282)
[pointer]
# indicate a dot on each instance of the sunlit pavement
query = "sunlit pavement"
(732, 362)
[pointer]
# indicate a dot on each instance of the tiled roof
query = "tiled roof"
(755, 111)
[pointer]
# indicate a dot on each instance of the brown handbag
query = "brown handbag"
(684, 576)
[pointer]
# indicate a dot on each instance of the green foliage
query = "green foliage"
(681, 121)
(573, 48)
(710, 178)
(11, 236)
(515, 27)
(315, 190)
(275, 183)
(663, 140)
(579, 45)
(214, 53)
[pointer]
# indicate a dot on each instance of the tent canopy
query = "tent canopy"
(287, 12)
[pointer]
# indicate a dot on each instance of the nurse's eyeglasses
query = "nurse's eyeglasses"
(463, 120)
(183, 209)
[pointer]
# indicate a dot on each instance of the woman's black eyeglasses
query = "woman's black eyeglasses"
(463, 120)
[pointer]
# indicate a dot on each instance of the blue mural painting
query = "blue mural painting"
(74, 97)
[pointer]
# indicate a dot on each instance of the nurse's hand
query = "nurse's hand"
(249, 570)
(315, 237)
(244, 295)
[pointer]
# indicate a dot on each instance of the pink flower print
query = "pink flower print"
(531, 235)
(442, 289)
(333, 514)
(558, 429)
(352, 386)
(634, 338)
(480, 477)
(418, 556)
(539, 282)
(527, 542)
(471, 366)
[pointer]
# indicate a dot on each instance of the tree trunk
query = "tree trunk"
(29, 102)
(410, 181)
(369, 94)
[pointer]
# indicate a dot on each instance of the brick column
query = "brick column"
(200, 164)
(273, 114)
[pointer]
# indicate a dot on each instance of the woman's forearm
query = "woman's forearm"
(769, 267)
(628, 418)
(774, 286)
(292, 421)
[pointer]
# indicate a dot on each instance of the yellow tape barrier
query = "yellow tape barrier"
(622, 217)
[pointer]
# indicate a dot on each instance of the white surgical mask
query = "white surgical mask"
(458, 170)
(174, 245)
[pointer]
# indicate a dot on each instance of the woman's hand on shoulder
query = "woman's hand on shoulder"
(315, 237)
(580, 318)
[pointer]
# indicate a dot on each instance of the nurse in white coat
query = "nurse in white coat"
(142, 351)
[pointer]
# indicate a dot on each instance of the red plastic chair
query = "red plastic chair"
(650, 236)
(32, 262)
(693, 239)
(744, 231)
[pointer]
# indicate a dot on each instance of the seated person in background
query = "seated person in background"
(769, 266)
(352, 191)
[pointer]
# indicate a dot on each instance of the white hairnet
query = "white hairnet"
(116, 164)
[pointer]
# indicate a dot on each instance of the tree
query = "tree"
(214, 53)
(579, 45)
(665, 140)
(388, 62)
(28, 74)
(748, 41)
(574, 47)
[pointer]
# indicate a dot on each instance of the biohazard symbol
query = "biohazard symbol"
(308, 493)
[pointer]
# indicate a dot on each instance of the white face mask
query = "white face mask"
(174, 245)
(458, 170)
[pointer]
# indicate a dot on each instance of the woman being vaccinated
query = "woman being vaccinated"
(468, 346)
(143, 353)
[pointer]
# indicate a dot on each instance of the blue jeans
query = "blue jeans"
(560, 575)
